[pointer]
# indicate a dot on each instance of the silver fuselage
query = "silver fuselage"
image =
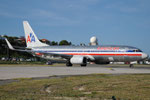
(105, 53)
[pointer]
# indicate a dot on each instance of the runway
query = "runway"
(11, 72)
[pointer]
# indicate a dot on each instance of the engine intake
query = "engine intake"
(78, 60)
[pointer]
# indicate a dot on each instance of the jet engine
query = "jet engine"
(78, 60)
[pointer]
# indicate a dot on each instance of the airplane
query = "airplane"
(99, 54)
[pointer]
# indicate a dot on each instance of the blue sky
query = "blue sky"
(121, 22)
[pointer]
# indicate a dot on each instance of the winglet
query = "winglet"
(9, 45)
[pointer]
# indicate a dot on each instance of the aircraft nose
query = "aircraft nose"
(144, 56)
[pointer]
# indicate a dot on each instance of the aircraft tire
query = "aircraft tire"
(131, 66)
(84, 62)
(83, 65)
(68, 64)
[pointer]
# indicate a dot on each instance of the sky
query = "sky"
(116, 22)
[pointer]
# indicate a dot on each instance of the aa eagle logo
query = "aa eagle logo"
(30, 38)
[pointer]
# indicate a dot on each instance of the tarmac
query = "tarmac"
(20, 71)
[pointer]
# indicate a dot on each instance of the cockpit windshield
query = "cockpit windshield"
(137, 50)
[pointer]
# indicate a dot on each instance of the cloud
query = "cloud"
(64, 12)
(123, 7)
(73, 4)
(129, 9)
(52, 18)
(10, 14)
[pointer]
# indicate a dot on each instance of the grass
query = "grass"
(103, 87)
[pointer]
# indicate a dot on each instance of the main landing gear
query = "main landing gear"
(68, 63)
(131, 66)
(84, 62)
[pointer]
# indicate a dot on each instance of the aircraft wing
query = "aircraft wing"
(51, 54)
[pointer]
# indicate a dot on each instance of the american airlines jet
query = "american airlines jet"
(80, 54)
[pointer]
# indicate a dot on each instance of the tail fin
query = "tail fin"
(31, 38)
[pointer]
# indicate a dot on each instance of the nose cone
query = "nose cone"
(144, 56)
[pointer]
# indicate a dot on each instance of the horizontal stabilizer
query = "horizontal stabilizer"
(9, 45)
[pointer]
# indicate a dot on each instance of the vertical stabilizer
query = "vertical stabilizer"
(31, 38)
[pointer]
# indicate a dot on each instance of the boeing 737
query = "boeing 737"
(79, 54)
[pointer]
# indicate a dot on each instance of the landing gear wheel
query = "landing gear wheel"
(83, 65)
(84, 62)
(131, 66)
(68, 64)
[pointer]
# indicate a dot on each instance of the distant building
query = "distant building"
(21, 39)
(45, 41)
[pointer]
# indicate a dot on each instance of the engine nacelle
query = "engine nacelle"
(78, 60)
